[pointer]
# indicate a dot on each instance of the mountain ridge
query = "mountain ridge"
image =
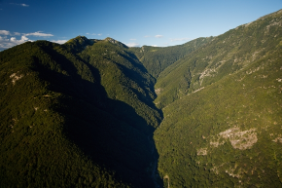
(68, 104)
(96, 113)
(223, 128)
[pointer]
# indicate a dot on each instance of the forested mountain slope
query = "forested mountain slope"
(224, 128)
(76, 115)
(223, 55)
(83, 114)
(156, 59)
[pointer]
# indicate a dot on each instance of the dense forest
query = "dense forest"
(96, 113)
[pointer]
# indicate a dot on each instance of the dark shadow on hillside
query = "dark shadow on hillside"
(139, 79)
(109, 132)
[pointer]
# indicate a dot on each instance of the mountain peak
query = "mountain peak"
(79, 39)
(78, 43)
(111, 40)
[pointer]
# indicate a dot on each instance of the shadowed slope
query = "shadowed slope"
(59, 128)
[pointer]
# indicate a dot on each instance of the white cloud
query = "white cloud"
(90, 34)
(3, 39)
(4, 32)
(23, 4)
(147, 36)
(22, 40)
(8, 43)
(100, 34)
(17, 33)
(132, 39)
(159, 36)
(59, 41)
(179, 39)
(133, 44)
(38, 34)
(155, 45)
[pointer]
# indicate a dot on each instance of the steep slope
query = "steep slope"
(65, 124)
(82, 114)
(222, 56)
(224, 127)
(156, 59)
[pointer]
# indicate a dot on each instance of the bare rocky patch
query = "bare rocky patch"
(198, 90)
(15, 77)
(231, 172)
(240, 139)
(208, 72)
(215, 143)
(158, 91)
(202, 151)
(278, 139)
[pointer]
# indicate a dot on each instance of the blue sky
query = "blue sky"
(132, 22)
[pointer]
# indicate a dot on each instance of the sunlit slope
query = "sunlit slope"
(156, 59)
(60, 127)
(224, 55)
(228, 133)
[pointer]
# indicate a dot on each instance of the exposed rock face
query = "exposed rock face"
(15, 77)
(240, 139)
(202, 151)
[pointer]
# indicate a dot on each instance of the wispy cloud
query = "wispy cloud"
(133, 44)
(8, 43)
(147, 36)
(59, 41)
(159, 36)
(23, 4)
(132, 39)
(38, 34)
(5, 32)
(179, 39)
(90, 34)
(3, 39)
(99, 34)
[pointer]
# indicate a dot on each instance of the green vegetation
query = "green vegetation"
(156, 59)
(83, 114)
(63, 124)
(224, 130)
(223, 55)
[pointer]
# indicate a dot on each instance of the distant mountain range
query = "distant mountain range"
(96, 113)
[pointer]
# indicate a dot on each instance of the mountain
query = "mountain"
(96, 113)
(223, 55)
(76, 115)
(222, 109)
(156, 59)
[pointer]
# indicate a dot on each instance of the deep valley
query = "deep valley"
(97, 113)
